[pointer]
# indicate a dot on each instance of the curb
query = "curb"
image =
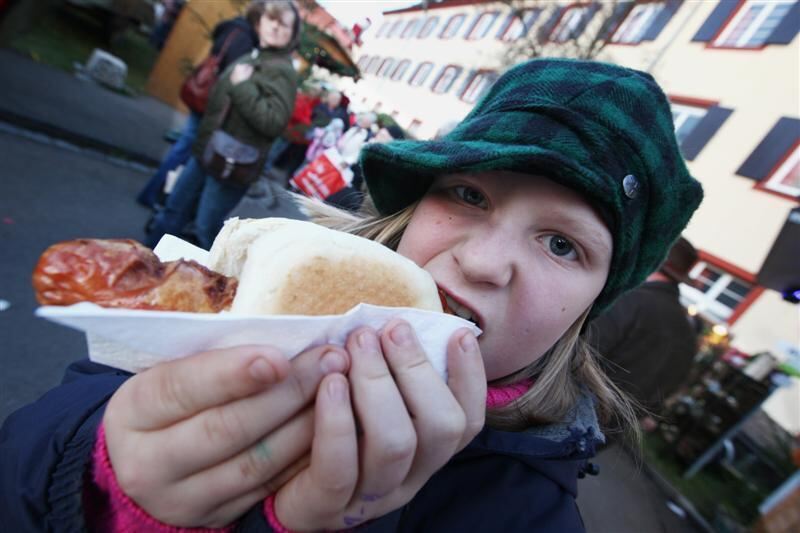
(675, 495)
(82, 141)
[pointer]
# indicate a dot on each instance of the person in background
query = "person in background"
(252, 102)
(167, 12)
(647, 339)
(332, 106)
(244, 38)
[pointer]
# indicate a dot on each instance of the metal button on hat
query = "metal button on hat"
(631, 186)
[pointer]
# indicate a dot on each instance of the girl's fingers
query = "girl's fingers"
(439, 420)
(258, 467)
(388, 439)
(327, 485)
(467, 381)
(222, 432)
(174, 391)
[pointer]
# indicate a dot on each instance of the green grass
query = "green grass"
(61, 39)
(713, 490)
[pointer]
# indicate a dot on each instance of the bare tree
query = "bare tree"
(583, 38)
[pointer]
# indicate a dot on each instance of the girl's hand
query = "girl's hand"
(411, 424)
(198, 441)
(241, 72)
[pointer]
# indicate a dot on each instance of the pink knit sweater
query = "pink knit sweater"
(117, 512)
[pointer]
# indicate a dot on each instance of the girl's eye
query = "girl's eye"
(470, 195)
(561, 246)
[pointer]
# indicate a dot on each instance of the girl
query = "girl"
(563, 188)
(252, 101)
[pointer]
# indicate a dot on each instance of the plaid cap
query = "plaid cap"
(602, 130)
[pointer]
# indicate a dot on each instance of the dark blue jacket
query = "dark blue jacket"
(502, 481)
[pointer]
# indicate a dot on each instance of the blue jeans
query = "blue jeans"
(177, 156)
(214, 200)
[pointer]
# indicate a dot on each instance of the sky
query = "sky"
(348, 12)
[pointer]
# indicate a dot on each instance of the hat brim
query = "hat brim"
(400, 172)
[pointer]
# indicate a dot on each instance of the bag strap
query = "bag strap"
(226, 43)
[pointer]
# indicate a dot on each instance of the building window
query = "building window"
(753, 23)
(413, 127)
(479, 84)
(373, 65)
(428, 27)
(714, 292)
(421, 74)
(400, 70)
(452, 26)
(362, 62)
(482, 26)
(638, 22)
(384, 28)
(686, 118)
(445, 79)
(519, 26)
(396, 28)
(386, 67)
(786, 178)
(411, 28)
(572, 23)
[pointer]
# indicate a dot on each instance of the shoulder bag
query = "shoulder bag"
(197, 86)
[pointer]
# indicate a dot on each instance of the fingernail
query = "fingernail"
(468, 343)
(367, 340)
(261, 370)
(401, 335)
(336, 389)
(332, 362)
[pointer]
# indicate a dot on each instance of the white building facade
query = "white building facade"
(731, 69)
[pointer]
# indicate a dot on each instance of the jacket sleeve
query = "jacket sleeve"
(46, 448)
(266, 100)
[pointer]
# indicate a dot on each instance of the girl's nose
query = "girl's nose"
(486, 258)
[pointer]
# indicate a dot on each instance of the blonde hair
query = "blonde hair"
(569, 366)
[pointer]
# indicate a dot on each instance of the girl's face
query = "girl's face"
(276, 32)
(521, 255)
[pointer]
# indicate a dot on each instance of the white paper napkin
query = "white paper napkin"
(135, 340)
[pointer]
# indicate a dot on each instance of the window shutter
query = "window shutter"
(771, 150)
(465, 84)
(785, 31)
(715, 20)
(702, 133)
(619, 13)
(504, 26)
(661, 20)
(587, 16)
(546, 28)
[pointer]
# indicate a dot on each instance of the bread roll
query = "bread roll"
(290, 267)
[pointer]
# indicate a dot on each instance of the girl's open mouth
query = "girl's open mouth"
(452, 307)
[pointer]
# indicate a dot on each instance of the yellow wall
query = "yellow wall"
(188, 44)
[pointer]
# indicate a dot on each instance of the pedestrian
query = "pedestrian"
(232, 39)
(647, 338)
(252, 101)
(561, 189)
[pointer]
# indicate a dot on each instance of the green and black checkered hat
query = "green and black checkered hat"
(603, 130)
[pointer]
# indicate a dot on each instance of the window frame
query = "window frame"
(706, 300)
(690, 109)
(642, 25)
(434, 21)
(397, 28)
(721, 39)
(412, 28)
(386, 68)
(373, 65)
(572, 15)
(525, 27)
(384, 29)
(416, 73)
(397, 74)
(787, 163)
(471, 34)
(460, 17)
(480, 76)
(449, 84)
